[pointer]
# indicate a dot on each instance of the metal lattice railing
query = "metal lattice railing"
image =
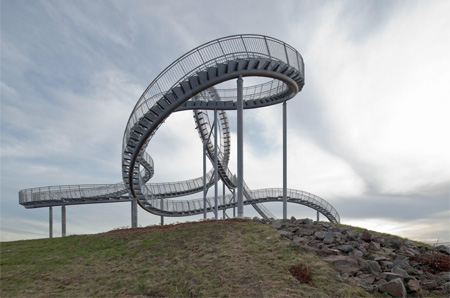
(210, 54)
(155, 195)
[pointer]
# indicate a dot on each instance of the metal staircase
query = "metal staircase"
(188, 84)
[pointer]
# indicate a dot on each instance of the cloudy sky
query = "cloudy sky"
(369, 132)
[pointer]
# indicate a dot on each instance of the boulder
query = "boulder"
(278, 224)
(256, 219)
(392, 243)
(429, 284)
(399, 262)
(304, 232)
(304, 221)
(345, 248)
(413, 285)
(395, 288)
(388, 276)
(286, 234)
(319, 235)
(356, 254)
(445, 276)
(374, 246)
(328, 238)
(446, 288)
(400, 271)
(374, 267)
(443, 249)
(386, 265)
(343, 264)
(366, 236)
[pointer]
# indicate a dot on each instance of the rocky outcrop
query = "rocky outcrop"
(373, 261)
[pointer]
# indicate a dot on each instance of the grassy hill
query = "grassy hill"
(232, 258)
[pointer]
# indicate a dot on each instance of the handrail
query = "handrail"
(280, 62)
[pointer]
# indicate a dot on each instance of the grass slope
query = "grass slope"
(232, 258)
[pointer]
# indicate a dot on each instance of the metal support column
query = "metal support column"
(161, 206)
(216, 170)
(63, 221)
(134, 213)
(204, 181)
(50, 222)
(318, 216)
(284, 162)
(224, 209)
(234, 201)
(240, 147)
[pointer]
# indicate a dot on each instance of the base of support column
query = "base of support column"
(63, 221)
(50, 222)
(134, 213)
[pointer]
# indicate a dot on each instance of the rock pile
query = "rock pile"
(373, 261)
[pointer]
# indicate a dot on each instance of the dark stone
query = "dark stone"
(374, 267)
(356, 254)
(402, 263)
(278, 224)
(345, 248)
(446, 288)
(392, 243)
(443, 249)
(329, 238)
(256, 219)
(366, 236)
(319, 235)
(395, 288)
(304, 232)
(445, 276)
(429, 284)
(390, 276)
(386, 265)
(286, 234)
(369, 278)
(374, 246)
(400, 271)
(343, 264)
(413, 285)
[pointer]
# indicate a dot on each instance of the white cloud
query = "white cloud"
(385, 98)
(426, 230)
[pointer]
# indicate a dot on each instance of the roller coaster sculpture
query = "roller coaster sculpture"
(189, 84)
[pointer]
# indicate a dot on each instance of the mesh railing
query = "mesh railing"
(210, 54)
(292, 194)
(70, 192)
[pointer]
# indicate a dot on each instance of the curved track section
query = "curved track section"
(188, 84)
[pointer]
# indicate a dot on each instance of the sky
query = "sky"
(368, 132)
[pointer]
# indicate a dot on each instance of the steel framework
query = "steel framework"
(188, 84)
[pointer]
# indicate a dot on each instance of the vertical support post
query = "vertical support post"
(240, 147)
(161, 207)
(216, 170)
(224, 209)
(284, 162)
(204, 181)
(63, 221)
(50, 222)
(318, 216)
(134, 213)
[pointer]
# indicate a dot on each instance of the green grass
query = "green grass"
(205, 259)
